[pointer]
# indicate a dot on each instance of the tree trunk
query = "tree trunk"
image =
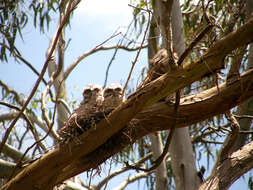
(247, 107)
(48, 169)
(161, 171)
(59, 83)
(155, 139)
(181, 152)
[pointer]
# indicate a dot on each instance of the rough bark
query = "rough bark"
(48, 170)
(245, 109)
(157, 117)
(231, 169)
(161, 116)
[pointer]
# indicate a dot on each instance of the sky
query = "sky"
(92, 23)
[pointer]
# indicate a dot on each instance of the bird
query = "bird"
(81, 118)
(92, 99)
(113, 96)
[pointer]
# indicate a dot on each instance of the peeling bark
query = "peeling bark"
(231, 169)
(48, 170)
(159, 117)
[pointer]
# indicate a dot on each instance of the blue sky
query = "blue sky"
(91, 24)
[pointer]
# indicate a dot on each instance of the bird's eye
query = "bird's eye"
(87, 91)
(108, 91)
(96, 89)
(118, 89)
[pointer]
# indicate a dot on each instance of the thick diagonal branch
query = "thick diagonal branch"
(58, 159)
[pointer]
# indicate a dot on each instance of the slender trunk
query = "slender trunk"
(247, 107)
(59, 83)
(182, 155)
(160, 173)
(155, 139)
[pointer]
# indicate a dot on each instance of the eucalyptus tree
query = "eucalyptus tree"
(196, 93)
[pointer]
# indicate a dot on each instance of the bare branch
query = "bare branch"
(86, 54)
(16, 95)
(34, 119)
(227, 148)
(158, 117)
(160, 159)
(110, 63)
(230, 169)
(194, 42)
(94, 50)
(65, 20)
(71, 185)
(13, 153)
(139, 101)
(31, 127)
(132, 179)
(122, 170)
(8, 116)
(138, 52)
(36, 143)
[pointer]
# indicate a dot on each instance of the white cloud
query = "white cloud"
(109, 14)
(97, 8)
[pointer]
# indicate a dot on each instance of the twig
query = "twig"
(205, 133)
(16, 95)
(95, 49)
(235, 127)
(210, 141)
(228, 145)
(32, 128)
(110, 63)
(245, 132)
(37, 142)
(8, 131)
(138, 53)
(194, 42)
(32, 117)
(146, 10)
(14, 153)
(122, 170)
(108, 174)
(159, 160)
(132, 179)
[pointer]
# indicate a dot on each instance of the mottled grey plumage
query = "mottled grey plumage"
(113, 96)
(92, 98)
(90, 105)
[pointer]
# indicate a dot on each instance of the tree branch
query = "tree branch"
(122, 170)
(6, 168)
(99, 47)
(132, 179)
(56, 160)
(230, 169)
(13, 153)
(65, 20)
(33, 119)
(159, 117)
